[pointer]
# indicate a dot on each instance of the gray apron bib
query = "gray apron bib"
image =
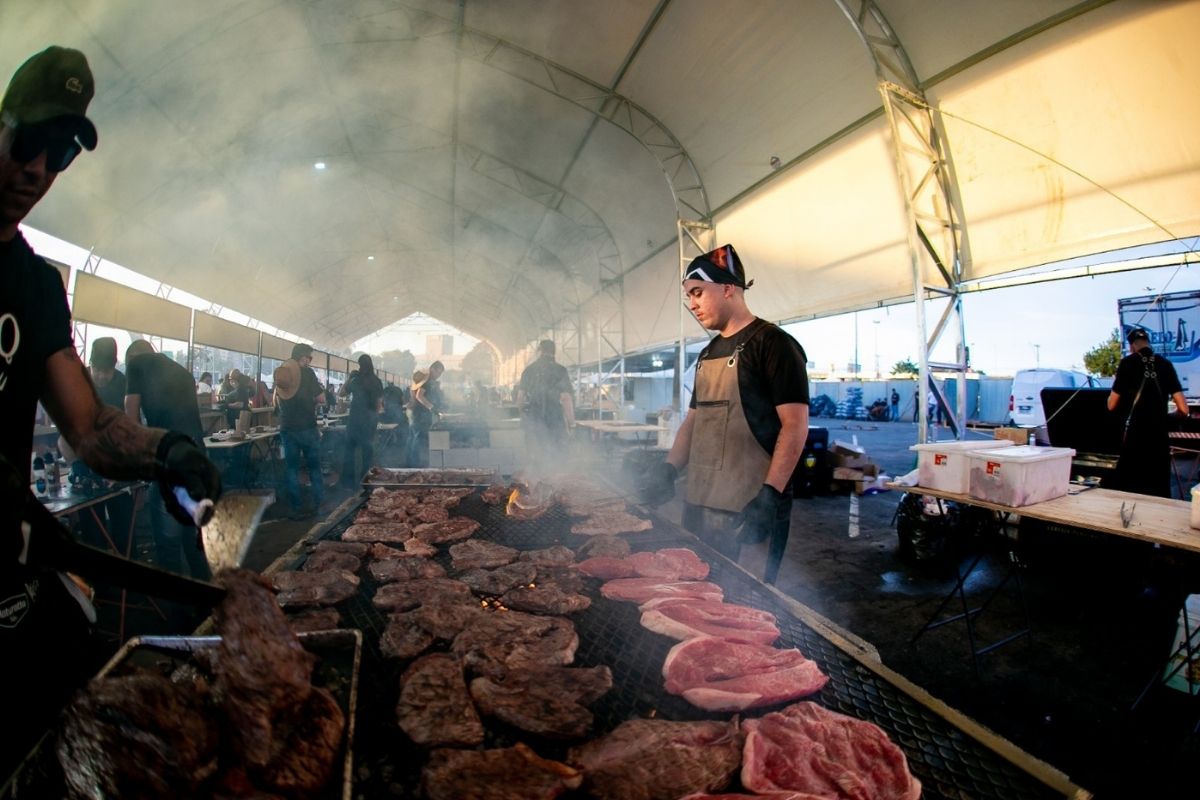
(726, 464)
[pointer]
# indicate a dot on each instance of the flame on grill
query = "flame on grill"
(524, 503)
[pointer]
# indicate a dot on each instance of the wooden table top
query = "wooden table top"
(250, 439)
(1155, 519)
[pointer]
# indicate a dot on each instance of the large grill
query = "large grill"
(949, 762)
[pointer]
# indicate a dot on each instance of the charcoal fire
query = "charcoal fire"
(526, 503)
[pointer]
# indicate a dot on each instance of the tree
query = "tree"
(1103, 358)
(399, 362)
(905, 367)
(478, 364)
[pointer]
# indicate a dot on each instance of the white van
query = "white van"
(1025, 403)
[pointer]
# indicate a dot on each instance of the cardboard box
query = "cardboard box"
(1014, 435)
(847, 454)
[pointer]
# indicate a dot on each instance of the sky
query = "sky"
(1050, 324)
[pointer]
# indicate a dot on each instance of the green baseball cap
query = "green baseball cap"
(55, 84)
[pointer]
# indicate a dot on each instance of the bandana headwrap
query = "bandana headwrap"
(720, 266)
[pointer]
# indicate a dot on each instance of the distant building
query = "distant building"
(439, 345)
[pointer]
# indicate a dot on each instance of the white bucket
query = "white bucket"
(1196, 506)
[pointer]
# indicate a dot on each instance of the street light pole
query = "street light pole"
(876, 322)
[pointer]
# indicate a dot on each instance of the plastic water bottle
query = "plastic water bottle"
(1032, 439)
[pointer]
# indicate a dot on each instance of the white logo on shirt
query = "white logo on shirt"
(10, 343)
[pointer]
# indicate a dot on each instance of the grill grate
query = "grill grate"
(949, 763)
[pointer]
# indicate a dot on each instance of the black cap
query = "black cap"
(1137, 333)
(718, 266)
(104, 352)
(55, 84)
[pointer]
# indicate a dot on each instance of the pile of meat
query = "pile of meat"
(383, 475)
(256, 727)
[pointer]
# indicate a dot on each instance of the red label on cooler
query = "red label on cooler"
(939, 459)
(993, 468)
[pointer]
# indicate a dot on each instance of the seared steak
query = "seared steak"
(332, 546)
(405, 595)
(498, 581)
(505, 641)
(325, 588)
(435, 708)
(427, 512)
(452, 530)
(331, 559)
(546, 597)
(315, 619)
(514, 773)
(378, 532)
(719, 675)
(604, 545)
(477, 554)
(556, 556)
(548, 702)
(403, 638)
(646, 759)
(405, 569)
(611, 522)
(443, 619)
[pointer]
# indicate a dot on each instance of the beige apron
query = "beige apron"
(726, 465)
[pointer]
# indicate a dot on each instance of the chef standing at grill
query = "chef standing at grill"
(747, 423)
(44, 622)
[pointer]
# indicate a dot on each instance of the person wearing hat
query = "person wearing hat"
(1143, 386)
(102, 365)
(425, 407)
(297, 395)
(366, 403)
(547, 409)
(747, 422)
(46, 626)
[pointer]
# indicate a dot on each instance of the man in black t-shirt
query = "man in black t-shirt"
(747, 423)
(297, 395)
(109, 381)
(544, 396)
(1144, 384)
(44, 625)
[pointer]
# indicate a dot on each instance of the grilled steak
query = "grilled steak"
(443, 619)
(645, 759)
(548, 702)
(610, 523)
(815, 752)
(315, 619)
(405, 595)
(556, 556)
(403, 638)
(452, 530)
(639, 590)
(435, 708)
(477, 554)
(405, 569)
(546, 597)
(305, 754)
(392, 532)
(604, 545)
(688, 619)
(427, 512)
(565, 578)
(498, 581)
(381, 515)
(138, 736)
(496, 494)
(325, 588)
(514, 773)
(587, 508)
(331, 559)
(511, 640)
(331, 546)
(416, 547)
(719, 675)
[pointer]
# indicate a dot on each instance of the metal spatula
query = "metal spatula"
(227, 531)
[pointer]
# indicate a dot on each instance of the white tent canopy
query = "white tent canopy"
(468, 178)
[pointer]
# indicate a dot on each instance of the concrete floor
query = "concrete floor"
(1061, 693)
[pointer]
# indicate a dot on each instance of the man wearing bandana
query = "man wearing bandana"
(747, 423)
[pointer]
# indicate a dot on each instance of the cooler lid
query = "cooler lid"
(959, 447)
(1024, 454)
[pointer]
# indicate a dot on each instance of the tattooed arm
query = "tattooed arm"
(107, 440)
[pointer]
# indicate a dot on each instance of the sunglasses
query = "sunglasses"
(29, 143)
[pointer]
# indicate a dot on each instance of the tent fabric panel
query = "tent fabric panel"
(276, 348)
(216, 332)
(105, 302)
(339, 364)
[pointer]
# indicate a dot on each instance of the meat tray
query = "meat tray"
(337, 669)
(454, 477)
(951, 755)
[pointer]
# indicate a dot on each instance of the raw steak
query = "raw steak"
(650, 759)
(332, 546)
(548, 702)
(428, 512)
(477, 554)
(556, 556)
(405, 569)
(512, 640)
(315, 619)
(611, 523)
(452, 530)
(496, 582)
(405, 595)
(546, 597)
(435, 708)
(514, 773)
(331, 559)
(639, 590)
(688, 619)
(604, 545)
(392, 532)
(717, 675)
(816, 752)
(404, 638)
(325, 588)
(670, 564)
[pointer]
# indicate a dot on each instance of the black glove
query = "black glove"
(760, 514)
(180, 462)
(658, 484)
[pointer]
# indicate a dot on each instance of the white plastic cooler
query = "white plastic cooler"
(943, 465)
(1020, 476)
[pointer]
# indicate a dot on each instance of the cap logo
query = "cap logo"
(74, 85)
